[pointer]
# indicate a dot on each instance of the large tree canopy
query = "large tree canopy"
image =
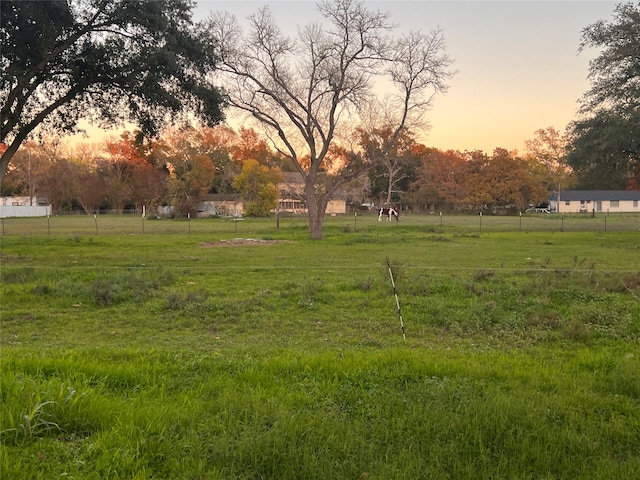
(604, 151)
(106, 60)
(604, 148)
(615, 72)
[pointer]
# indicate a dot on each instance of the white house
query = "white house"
(589, 201)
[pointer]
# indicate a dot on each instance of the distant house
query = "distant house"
(588, 201)
(292, 196)
(291, 200)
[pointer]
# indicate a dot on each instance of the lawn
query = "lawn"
(218, 349)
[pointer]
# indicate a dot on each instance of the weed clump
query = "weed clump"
(123, 286)
(41, 290)
(176, 301)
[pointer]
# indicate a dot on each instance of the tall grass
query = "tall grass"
(175, 356)
(393, 413)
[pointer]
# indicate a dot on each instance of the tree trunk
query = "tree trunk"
(316, 206)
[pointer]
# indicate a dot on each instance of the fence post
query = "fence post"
(480, 222)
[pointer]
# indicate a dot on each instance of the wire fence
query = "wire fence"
(111, 224)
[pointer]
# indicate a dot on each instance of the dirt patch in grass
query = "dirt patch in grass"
(238, 242)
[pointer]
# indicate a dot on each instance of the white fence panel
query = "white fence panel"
(7, 211)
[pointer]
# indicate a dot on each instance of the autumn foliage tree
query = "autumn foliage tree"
(439, 179)
(60, 184)
(258, 185)
(250, 145)
(499, 182)
(91, 188)
(121, 160)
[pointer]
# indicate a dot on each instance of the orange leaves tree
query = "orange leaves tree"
(121, 160)
(188, 155)
(476, 181)
(439, 179)
(501, 181)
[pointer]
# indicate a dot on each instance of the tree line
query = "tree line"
(183, 165)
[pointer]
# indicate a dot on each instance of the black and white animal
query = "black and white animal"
(389, 212)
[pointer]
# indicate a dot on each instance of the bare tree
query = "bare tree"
(306, 90)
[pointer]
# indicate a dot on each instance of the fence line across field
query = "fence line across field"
(112, 224)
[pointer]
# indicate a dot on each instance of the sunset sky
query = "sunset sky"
(517, 61)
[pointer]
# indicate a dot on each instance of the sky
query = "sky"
(518, 63)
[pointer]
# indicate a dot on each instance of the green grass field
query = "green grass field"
(215, 349)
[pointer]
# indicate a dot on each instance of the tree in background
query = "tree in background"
(438, 181)
(249, 144)
(60, 184)
(500, 182)
(189, 154)
(306, 91)
(548, 148)
(108, 59)
(392, 162)
(91, 188)
(217, 144)
(604, 151)
(30, 174)
(117, 167)
(26, 175)
(190, 179)
(258, 185)
(148, 187)
(604, 148)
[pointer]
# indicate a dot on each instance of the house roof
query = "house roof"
(292, 178)
(221, 197)
(598, 195)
